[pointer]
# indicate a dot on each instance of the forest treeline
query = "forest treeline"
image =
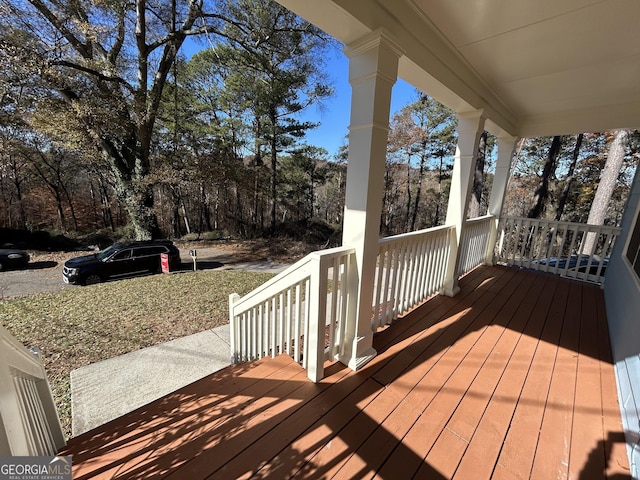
(108, 122)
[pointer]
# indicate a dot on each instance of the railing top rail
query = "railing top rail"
(331, 253)
(296, 272)
(417, 233)
(19, 356)
(588, 226)
(479, 219)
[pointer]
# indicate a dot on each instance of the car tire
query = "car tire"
(1, 266)
(92, 279)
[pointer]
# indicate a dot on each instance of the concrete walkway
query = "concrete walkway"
(106, 390)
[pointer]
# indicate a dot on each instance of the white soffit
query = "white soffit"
(566, 60)
(537, 67)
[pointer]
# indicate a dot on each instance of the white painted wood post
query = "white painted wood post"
(470, 127)
(373, 69)
(317, 321)
(506, 148)
(233, 329)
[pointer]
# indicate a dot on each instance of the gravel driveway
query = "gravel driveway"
(41, 276)
(44, 273)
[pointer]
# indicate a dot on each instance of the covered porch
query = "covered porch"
(508, 373)
(511, 378)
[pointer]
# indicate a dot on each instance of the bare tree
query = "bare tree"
(568, 181)
(606, 186)
(98, 70)
(478, 178)
(542, 191)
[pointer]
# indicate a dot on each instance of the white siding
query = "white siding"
(622, 295)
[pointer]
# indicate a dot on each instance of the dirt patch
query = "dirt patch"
(275, 250)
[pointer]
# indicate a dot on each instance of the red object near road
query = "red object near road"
(164, 262)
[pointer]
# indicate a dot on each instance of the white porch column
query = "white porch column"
(373, 69)
(470, 127)
(506, 147)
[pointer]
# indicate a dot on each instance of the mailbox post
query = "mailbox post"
(194, 256)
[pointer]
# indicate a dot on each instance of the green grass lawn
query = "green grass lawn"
(80, 326)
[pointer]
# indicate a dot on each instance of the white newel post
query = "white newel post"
(506, 147)
(373, 69)
(470, 127)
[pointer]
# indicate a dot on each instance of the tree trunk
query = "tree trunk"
(542, 192)
(423, 160)
(608, 179)
(185, 216)
(312, 193)
(94, 208)
(408, 217)
(205, 215)
(17, 182)
(61, 217)
(274, 171)
(137, 200)
(439, 196)
(72, 209)
(107, 216)
(569, 179)
(384, 220)
(478, 178)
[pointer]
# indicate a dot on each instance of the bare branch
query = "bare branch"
(93, 72)
(59, 25)
(119, 42)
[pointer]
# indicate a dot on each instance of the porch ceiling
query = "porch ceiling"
(536, 67)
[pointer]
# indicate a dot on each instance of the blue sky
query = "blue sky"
(334, 115)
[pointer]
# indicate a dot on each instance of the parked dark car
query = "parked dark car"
(574, 265)
(120, 260)
(13, 258)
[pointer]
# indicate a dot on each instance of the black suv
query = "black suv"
(120, 260)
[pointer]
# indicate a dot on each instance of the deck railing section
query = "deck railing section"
(411, 268)
(474, 244)
(29, 423)
(575, 250)
(300, 312)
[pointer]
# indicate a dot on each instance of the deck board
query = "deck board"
(552, 452)
(485, 446)
(512, 378)
(587, 410)
(479, 371)
(518, 450)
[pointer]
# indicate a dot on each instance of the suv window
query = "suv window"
(123, 255)
(148, 251)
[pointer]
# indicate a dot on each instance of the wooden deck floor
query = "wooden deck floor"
(512, 378)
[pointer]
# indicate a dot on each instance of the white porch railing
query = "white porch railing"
(474, 244)
(300, 312)
(29, 423)
(282, 315)
(575, 250)
(411, 267)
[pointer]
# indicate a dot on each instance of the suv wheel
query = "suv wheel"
(92, 279)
